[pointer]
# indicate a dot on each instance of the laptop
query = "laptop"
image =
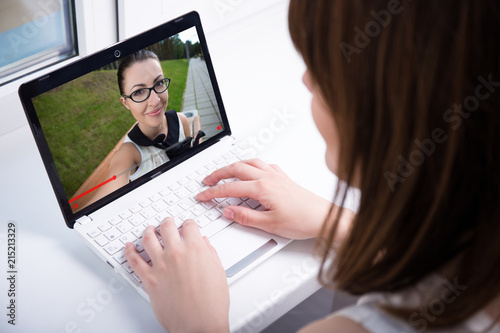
(79, 125)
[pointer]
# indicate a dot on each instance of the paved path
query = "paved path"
(199, 95)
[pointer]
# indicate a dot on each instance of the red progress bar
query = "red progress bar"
(93, 189)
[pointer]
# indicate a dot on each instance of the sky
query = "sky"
(189, 34)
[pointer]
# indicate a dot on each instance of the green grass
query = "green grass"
(176, 70)
(84, 119)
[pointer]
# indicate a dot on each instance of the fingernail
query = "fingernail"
(228, 213)
(127, 245)
(199, 196)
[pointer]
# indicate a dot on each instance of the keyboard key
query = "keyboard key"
(138, 245)
(232, 160)
(234, 201)
(113, 233)
(174, 210)
(228, 155)
(135, 209)
(246, 155)
(155, 197)
(219, 200)
(197, 210)
(101, 240)
(253, 203)
(192, 197)
(193, 176)
(186, 204)
(174, 186)
(160, 206)
(124, 227)
(220, 207)
(127, 267)
(218, 160)
(148, 213)
(105, 226)
(125, 215)
(182, 193)
(94, 233)
(144, 255)
(120, 257)
(260, 208)
(243, 144)
(201, 171)
(244, 204)
(193, 186)
(213, 214)
(203, 221)
(153, 222)
(115, 221)
(205, 187)
(236, 150)
(183, 181)
(145, 203)
(208, 204)
(113, 248)
(137, 231)
(164, 192)
(210, 165)
(200, 181)
(182, 217)
(161, 216)
(136, 220)
(128, 237)
(171, 199)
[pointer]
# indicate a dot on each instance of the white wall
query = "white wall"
(215, 14)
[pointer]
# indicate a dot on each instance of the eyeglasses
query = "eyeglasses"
(140, 95)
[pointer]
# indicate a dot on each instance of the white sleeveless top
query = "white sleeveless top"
(372, 318)
(151, 157)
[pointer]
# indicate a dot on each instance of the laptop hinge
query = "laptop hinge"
(84, 219)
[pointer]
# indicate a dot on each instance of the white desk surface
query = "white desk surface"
(61, 284)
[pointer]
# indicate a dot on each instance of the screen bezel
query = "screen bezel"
(93, 62)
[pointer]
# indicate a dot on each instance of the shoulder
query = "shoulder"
(185, 124)
(183, 118)
(127, 154)
(333, 324)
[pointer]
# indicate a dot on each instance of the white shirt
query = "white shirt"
(151, 157)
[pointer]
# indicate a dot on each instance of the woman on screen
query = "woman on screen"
(410, 114)
(158, 135)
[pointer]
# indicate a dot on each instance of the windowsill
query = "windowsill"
(31, 74)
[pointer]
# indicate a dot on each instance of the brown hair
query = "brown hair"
(127, 62)
(413, 87)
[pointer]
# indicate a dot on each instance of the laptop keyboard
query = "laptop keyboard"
(176, 200)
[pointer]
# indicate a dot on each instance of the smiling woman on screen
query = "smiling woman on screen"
(144, 92)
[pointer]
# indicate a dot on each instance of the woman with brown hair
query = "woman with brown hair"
(405, 94)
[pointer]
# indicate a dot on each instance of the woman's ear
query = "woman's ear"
(124, 102)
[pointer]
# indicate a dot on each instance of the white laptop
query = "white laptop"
(78, 122)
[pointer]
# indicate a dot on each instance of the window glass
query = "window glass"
(34, 32)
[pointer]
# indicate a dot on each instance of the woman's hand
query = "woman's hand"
(290, 210)
(186, 283)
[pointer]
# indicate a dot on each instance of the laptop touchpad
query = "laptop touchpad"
(239, 246)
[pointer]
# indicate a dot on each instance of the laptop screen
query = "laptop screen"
(111, 127)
